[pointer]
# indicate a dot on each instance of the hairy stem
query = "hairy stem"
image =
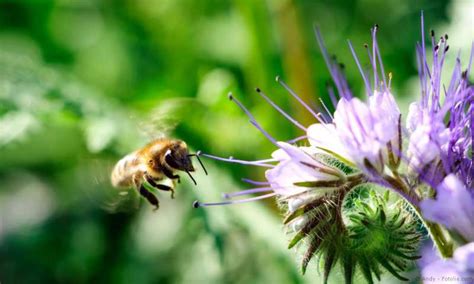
(444, 246)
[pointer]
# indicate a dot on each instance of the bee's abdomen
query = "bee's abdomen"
(125, 170)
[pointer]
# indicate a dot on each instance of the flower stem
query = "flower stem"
(444, 246)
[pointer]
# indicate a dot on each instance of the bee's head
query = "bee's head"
(177, 157)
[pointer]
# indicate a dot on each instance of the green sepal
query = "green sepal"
(340, 158)
(329, 260)
(298, 237)
(320, 183)
(295, 214)
(366, 271)
(313, 247)
(390, 269)
(348, 266)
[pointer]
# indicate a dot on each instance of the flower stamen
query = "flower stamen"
(254, 182)
(282, 112)
(297, 139)
(253, 121)
(197, 204)
(260, 163)
(245, 192)
(306, 106)
(366, 80)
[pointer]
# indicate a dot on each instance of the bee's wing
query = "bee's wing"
(102, 194)
(163, 119)
(122, 201)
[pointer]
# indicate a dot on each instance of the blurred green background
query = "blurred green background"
(84, 82)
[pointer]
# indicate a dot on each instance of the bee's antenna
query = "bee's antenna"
(198, 153)
(199, 159)
(189, 174)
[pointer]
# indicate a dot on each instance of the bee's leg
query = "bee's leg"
(169, 174)
(150, 180)
(150, 197)
(166, 188)
(163, 187)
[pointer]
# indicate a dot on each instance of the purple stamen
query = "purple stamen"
(265, 133)
(337, 77)
(254, 182)
(282, 112)
(281, 82)
(374, 66)
(326, 109)
(297, 139)
(366, 81)
(325, 119)
(260, 163)
(470, 60)
(245, 192)
(252, 119)
(198, 204)
(377, 53)
(332, 96)
(423, 36)
(374, 58)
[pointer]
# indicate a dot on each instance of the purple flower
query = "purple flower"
(367, 129)
(459, 269)
(324, 136)
(297, 164)
(441, 124)
(428, 137)
(453, 207)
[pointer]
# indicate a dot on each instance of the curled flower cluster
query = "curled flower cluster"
(360, 148)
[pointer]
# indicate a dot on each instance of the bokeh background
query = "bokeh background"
(84, 82)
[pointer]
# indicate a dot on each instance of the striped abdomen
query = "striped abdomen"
(125, 170)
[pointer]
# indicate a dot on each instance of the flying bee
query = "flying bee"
(152, 164)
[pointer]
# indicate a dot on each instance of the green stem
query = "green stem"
(444, 246)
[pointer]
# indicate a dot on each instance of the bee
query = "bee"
(152, 164)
